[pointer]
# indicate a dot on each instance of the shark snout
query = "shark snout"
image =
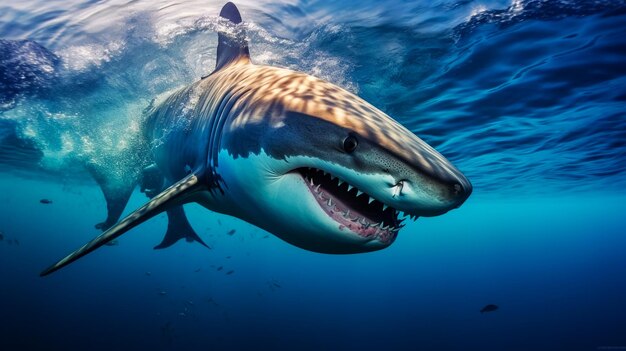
(424, 194)
(460, 191)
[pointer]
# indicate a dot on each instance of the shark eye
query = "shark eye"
(350, 143)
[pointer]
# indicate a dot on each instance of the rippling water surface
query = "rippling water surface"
(527, 98)
(514, 93)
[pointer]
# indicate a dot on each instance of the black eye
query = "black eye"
(350, 143)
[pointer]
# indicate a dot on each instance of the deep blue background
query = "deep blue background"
(525, 97)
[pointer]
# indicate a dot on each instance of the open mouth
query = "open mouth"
(351, 208)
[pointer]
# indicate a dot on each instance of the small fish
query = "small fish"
(276, 285)
(182, 314)
(45, 201)
(112, 243)
(489, 308)
(162, 293)
(189, 302)
(1, 236)
(231, 232)
(230, 272)
(220, 268)
(265, 237)
(219, 222)
(148, 273)
(228, 256)
(198, 270)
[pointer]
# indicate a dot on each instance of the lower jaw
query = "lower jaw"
(353, 222)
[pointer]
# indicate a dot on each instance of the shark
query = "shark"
(295, 155)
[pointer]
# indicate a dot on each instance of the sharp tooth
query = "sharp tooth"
(363, 221)
(311, 180)
(330, 203)
(386, 227)
(340, 181)
(355, 219)
(358, 193)
(385, 207)
(370, 200)
(381, 225)
(395, 230)
(332, 177)
(350, 187)
(347, 214)
(376, 224)
(317, 188)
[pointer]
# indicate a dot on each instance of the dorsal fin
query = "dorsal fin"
(231, 49)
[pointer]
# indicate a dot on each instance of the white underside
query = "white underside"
(279, 202)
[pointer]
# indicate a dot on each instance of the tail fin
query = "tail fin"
(178, 227)
(116, 188)
(172, 196)
(231, 48)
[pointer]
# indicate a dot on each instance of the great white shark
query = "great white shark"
(295, 155)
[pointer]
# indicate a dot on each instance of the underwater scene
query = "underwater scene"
(313, 175)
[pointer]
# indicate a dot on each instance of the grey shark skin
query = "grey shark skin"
(295, 155)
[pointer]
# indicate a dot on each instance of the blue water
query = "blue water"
(527, 98)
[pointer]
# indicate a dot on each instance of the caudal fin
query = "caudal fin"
(175, 195)
(116, 188)
(178, 227)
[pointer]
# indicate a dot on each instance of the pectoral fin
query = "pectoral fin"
(176, 194)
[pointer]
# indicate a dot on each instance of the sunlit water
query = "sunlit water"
(527, 98)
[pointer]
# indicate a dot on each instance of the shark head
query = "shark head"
(318, 166)
(323, 169)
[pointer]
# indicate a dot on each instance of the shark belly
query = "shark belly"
(250, 178)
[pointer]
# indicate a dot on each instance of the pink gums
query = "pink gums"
(352, 220)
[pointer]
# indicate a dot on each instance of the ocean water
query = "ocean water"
(527, 98)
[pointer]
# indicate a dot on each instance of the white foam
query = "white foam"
(82, 57)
